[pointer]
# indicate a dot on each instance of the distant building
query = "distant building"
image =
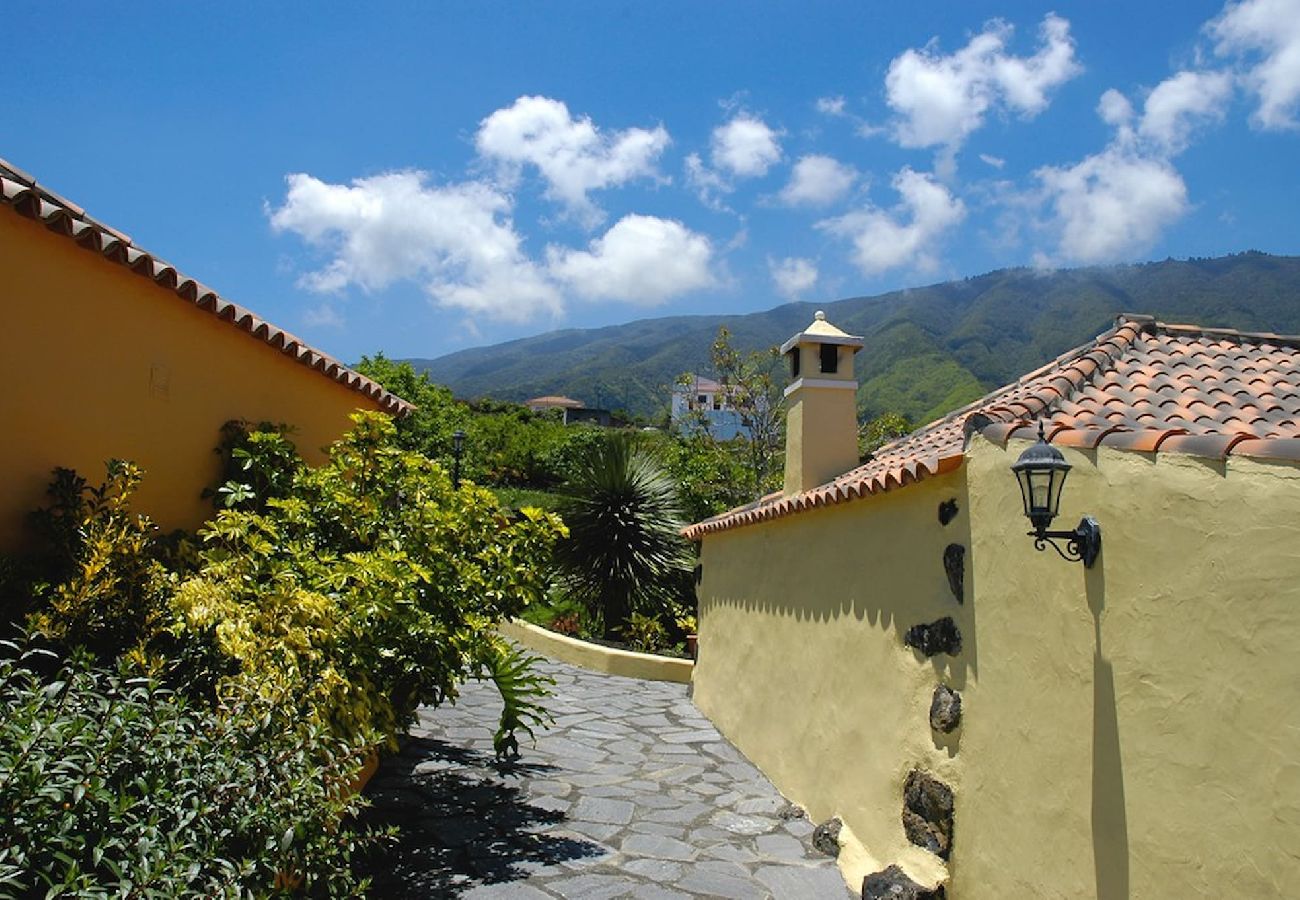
(702, 402)
(573, 410)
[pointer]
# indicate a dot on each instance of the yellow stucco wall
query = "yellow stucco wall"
(1132, 731)
(98, 362)
(1128, 731)
(802, 662)
(830, 415)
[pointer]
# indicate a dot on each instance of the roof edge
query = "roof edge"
(33, 201)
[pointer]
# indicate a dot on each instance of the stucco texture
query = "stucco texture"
(102, 363)
(1128, 730)
(1132, 731)
(802, 662)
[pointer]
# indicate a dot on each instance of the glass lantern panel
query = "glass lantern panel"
(1040, 488)
(1026, 494)
(1054, 495)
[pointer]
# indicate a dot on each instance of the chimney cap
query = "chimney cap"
(822, 332)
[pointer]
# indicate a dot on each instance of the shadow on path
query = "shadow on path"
(461, 822)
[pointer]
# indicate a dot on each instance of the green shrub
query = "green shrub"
(107, 590)
(258, 464)
(646, 634)
(371, 590)
(113, 786)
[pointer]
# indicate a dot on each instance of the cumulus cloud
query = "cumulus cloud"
(572, 154)
(709, 186)
(457, 240)
(908, 234)
(830, 106)
(459, 243)
(939, 100)
(1181, 102)
(1112, 205)
(745, 147)
(642, 259)
(817, 181)
(1267, 34)
(996, 162)
(793, 276)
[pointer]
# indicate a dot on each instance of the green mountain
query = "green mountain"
(928, 350)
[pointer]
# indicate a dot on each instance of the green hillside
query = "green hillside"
(927, 351)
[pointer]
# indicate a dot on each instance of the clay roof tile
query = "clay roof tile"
(20, 192)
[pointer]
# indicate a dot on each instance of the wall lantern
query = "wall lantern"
(457, 448)
(1041, 471)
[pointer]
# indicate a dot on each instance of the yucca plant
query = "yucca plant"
(624, 552)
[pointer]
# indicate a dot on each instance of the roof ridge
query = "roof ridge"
(21, 192)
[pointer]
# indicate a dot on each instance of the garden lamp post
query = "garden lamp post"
(457, 448)
(1041, 471)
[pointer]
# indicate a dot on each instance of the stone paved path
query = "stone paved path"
(632, 793)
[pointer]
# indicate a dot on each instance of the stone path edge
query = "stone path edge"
(643, 666)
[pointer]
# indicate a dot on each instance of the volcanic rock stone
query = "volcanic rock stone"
(945, 709)
(939, 636)
(826, 837)
(892, 884)
(928, 813)
(954, 566)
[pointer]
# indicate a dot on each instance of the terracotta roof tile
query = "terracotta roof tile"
(20, 192)
(1142, 386)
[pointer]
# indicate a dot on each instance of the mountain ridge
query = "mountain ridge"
(928, 349)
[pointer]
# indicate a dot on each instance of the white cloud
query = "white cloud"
(996, 162)
(708, 184)
(906, 235)
(572, 154)
(830, 106)
(793, 276)
(941, 99)
(1268, 33)
(323, 316)
(1179, 103)
(641, 259)
(818, 181)
(1115, 109)
(745, 147)
(457, 240)
(1113, 205)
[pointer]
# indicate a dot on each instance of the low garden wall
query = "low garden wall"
(645, 666)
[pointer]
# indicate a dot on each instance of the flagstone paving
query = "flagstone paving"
(632, 793)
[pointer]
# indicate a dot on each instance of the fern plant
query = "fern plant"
(522, 689)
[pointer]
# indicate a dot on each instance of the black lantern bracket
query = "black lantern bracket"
(1041, 472)
(1082, 544)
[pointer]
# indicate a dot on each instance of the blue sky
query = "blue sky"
(424, 177)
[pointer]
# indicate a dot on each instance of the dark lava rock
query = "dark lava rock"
(954, 566)
(945, 709)
(940, 636)
(826, 836)
(892, 884)
(928, 813)
(791, 811)
(947, 511)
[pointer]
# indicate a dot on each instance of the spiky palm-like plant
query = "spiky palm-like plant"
(624, 552)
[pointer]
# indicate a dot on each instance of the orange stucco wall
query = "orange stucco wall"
(99, 362)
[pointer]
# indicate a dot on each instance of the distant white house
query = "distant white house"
(702, 402)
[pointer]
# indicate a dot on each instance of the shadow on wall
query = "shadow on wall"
(879, 560)
(1110, 848)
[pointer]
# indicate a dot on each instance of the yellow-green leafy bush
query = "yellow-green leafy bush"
(369, 590)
